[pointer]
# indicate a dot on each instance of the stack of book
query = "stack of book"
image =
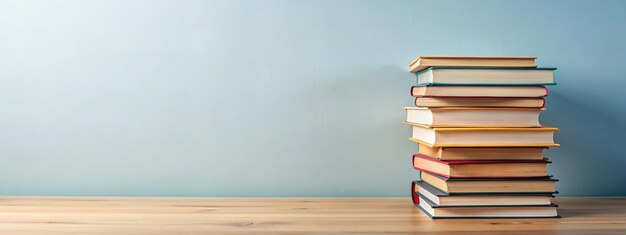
(476, 120)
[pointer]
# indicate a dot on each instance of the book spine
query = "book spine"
(414, 195)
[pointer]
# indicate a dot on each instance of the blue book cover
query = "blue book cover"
(430, 69)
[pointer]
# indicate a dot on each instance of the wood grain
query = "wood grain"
(134, 215)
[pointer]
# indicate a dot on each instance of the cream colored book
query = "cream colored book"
(474, 117)
(435, 211)
(490, 185)
(422, 62)
(479, 91)
(482, 169)
(483, 137)
(482, 153)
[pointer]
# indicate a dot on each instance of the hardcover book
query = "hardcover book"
(423, 62)
(482, 76)
(441, 198)
(454, 186)
(506, 102)
(479, 91)
(473, 117)
(482, 168)
(483, 137)
(482, 153)
(480, 211)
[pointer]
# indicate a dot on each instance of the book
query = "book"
(485, 76)
(423, 62)
(479, 102)
(473, 117)
(482, 153)
(478, 211)
(483, 137)
(482, 168)
(479, 91)
(441, 198)
(453, 186)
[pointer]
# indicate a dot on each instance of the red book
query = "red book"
(481, 168)
(501, 102)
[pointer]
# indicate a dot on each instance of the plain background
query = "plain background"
(279, 98)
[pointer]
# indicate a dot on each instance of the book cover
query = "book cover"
(440, 193)
(479, 96)
(464, 162)
(485, 102)
(460, 162)
(483, 84)
(483, 131)
(422, 62)
(417, 199)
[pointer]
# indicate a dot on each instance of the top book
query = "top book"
(423, 62)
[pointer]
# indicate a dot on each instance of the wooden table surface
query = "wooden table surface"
(134, 215)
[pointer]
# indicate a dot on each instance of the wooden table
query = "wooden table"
(132, 215)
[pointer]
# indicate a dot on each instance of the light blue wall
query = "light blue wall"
(279, 98)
